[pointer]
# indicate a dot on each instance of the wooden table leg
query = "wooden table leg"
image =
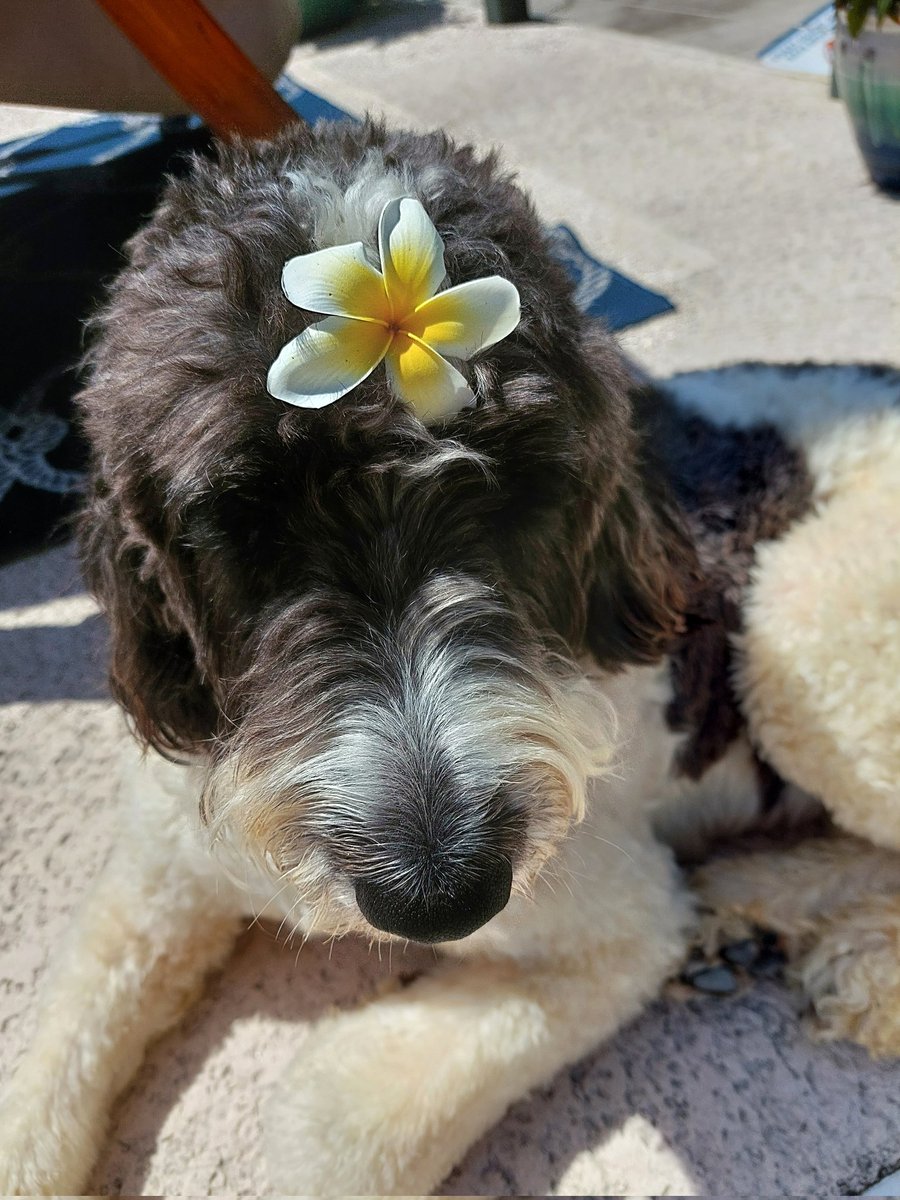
(201, 62)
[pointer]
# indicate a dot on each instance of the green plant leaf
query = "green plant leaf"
(857, 11)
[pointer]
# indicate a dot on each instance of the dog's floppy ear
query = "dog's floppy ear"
(157, 670)
(644, 580)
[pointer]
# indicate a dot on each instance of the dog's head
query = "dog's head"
(374, 631)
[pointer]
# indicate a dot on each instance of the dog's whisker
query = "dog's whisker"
(621, 849)
(287, 917)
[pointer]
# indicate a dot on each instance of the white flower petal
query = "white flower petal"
(467, 318)
(326, 361)
(425, 381)
(412, 254)
(338, 281)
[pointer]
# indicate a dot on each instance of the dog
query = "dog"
(465, 683)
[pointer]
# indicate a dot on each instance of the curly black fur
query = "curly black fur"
(233, 540)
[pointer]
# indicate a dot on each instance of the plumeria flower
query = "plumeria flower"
(395, 315)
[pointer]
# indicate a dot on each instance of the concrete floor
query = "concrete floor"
(739, 27)
(736, 27)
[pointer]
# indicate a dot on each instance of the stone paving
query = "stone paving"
(736, 27)
(739, 27)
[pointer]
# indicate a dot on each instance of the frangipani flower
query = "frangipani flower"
(395, 315)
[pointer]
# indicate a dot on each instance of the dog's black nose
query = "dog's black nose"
(439, 915)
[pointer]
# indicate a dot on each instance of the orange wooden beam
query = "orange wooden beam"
(195, 55)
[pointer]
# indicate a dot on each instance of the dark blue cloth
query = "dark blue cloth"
(602, 292)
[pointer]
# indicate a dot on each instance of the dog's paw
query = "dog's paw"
(717, 928)
(723, 965)
(850, 975)
(351, 1116)
(726, 949)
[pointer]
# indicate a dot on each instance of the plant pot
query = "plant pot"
(867, 71)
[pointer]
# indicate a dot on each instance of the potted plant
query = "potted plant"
(867, 73)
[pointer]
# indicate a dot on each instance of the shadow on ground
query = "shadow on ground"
(386, 23)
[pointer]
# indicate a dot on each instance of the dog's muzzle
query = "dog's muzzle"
(443, 913)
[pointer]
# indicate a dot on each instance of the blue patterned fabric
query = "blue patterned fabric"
(69, 198)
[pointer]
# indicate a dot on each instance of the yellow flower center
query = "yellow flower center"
(396, 315)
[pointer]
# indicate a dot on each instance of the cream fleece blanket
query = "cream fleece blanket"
(725, 1096)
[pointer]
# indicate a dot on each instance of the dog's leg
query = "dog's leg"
(386, 1099)
(150, 929)
(835, 901)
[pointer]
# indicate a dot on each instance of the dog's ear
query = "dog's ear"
(158, 667)
(643, 578)
(644, 581)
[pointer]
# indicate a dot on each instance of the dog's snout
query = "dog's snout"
(443, 912)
